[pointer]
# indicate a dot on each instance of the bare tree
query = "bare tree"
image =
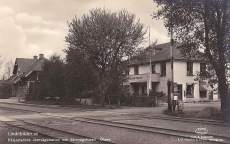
(8, 69)
(1, 61)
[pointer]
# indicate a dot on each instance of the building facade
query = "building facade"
(25, 74)
(155, 71)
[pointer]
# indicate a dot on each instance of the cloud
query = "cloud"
(12, 38)
(6, 12)
(24, 35)
(35, 50)
(30, 27)
(28, 21)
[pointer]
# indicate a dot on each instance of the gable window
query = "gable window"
(189, 68)
(190, 90)
(202, 68)
(136, 70)
(163, 69)
(153, 69)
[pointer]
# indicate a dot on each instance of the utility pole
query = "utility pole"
(18, 92)
(151, 49)
(171, 54)
(150, 66)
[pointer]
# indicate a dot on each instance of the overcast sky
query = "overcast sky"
(31, 27)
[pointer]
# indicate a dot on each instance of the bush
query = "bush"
(5, 91)
(145, 100)
(209, 113)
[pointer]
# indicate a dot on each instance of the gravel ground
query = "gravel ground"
(185, 126)
(117, 135)
(6, 138)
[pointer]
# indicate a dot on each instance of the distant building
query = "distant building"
(25, 72)
(142, 77)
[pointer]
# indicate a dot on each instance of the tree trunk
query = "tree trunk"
(102, 95)
(224, 95)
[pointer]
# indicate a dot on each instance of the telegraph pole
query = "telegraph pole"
(171, 54)
(150, 66)
(18, 92)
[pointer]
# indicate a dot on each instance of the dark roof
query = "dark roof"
(160, 55)
(11, 79)
(38, 65)
(26, 67)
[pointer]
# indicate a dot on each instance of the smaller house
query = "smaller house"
(25, 73)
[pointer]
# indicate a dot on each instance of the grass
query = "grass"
(206, 113)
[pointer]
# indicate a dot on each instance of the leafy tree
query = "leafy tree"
(105, 39)
(202, 27)
(79, 76)
(52, 78)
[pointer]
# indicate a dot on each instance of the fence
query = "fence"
(136, 100)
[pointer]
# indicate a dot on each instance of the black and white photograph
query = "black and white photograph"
(115, 71)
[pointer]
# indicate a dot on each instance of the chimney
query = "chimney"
(41, 56)
(35, 57)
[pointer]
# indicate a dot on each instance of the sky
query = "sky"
(31, 27)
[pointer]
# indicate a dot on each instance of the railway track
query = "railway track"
(18, 110)
(147, 129)
(151, 129)
(56, 135)
(192, 120)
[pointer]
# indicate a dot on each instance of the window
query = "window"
(189, 90)
(153, 69)
(136, 70)
(202, 68)
(203, 94)
(127, 71)
(154, 87)
(163, 69)
(189, 68)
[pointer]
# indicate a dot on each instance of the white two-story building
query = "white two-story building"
(144, 76)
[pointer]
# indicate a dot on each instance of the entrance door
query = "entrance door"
(211, 95)
(136, 88)
(179, 89)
